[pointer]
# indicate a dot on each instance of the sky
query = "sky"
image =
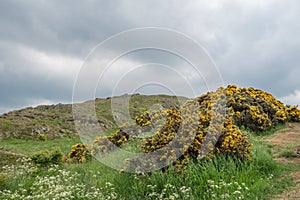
(44, 44)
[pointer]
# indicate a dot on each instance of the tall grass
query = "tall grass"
(217, 178)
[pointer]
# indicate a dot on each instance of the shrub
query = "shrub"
(45, 157)
(42, 137)
(194, 128)
(199, 119)
(79, 154)
(3, 181)
(255, 109)
(294, 113)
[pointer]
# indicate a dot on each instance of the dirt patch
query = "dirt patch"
(11, 153)
(296, 176)
(284, 160)
(288, 137)
(294, 193)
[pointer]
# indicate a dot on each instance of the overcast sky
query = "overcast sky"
(44, 43)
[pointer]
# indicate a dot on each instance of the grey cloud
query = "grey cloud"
(254, 43)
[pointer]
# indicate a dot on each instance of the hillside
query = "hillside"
(254, 156)
(57, 120)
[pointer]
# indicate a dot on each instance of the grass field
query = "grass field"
(218, 178)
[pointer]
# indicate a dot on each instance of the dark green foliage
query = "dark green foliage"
(3, 181)
(45, 157)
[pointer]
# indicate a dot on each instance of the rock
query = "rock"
(15, 134)
(62, 131)
(297, 149)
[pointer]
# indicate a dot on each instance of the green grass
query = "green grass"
(29, 146)
(256, 179)
(7, 159)
(265, 133)
(60, 116)
(289, 152)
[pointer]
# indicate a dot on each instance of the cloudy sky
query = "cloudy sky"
(43, 45)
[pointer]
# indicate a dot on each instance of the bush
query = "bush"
(45, 157)
(3, 181)
(79, 154)
(294, 113)
(200, 119)
(42, 137)
(255, 109)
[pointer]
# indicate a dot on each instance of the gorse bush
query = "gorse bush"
(105, 144)
(258, 110)
(203, 127)
(78, 154)
(294, 113)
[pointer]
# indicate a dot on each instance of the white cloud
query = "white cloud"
(254, 43)
(292, 99)
(33, 102)
(47, 64)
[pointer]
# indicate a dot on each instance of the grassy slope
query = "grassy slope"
(261, 178)
(58, 119)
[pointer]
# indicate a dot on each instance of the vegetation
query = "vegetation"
(56, 121)
(45, 157)
(78, 154)
(215, 115)
(220, 177)
(237, 164)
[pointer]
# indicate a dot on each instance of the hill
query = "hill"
(57, 120)
(257, 127)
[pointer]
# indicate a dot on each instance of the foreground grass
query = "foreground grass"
(218, 178)
(29, 146)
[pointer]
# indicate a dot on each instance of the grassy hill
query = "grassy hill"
(272, 169)
(57, 120)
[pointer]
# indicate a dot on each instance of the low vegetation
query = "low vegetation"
(217, 178)
(239, 163)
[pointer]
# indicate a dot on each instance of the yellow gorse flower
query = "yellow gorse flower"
(252, 108)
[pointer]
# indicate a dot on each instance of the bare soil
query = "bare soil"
(288, 137)
(11, 153)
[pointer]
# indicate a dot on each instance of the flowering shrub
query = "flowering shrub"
(194, 136)
(258, 110)
(233, 141)
(294, 113)
(205, 126)
(104, 144)
(79, 154)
